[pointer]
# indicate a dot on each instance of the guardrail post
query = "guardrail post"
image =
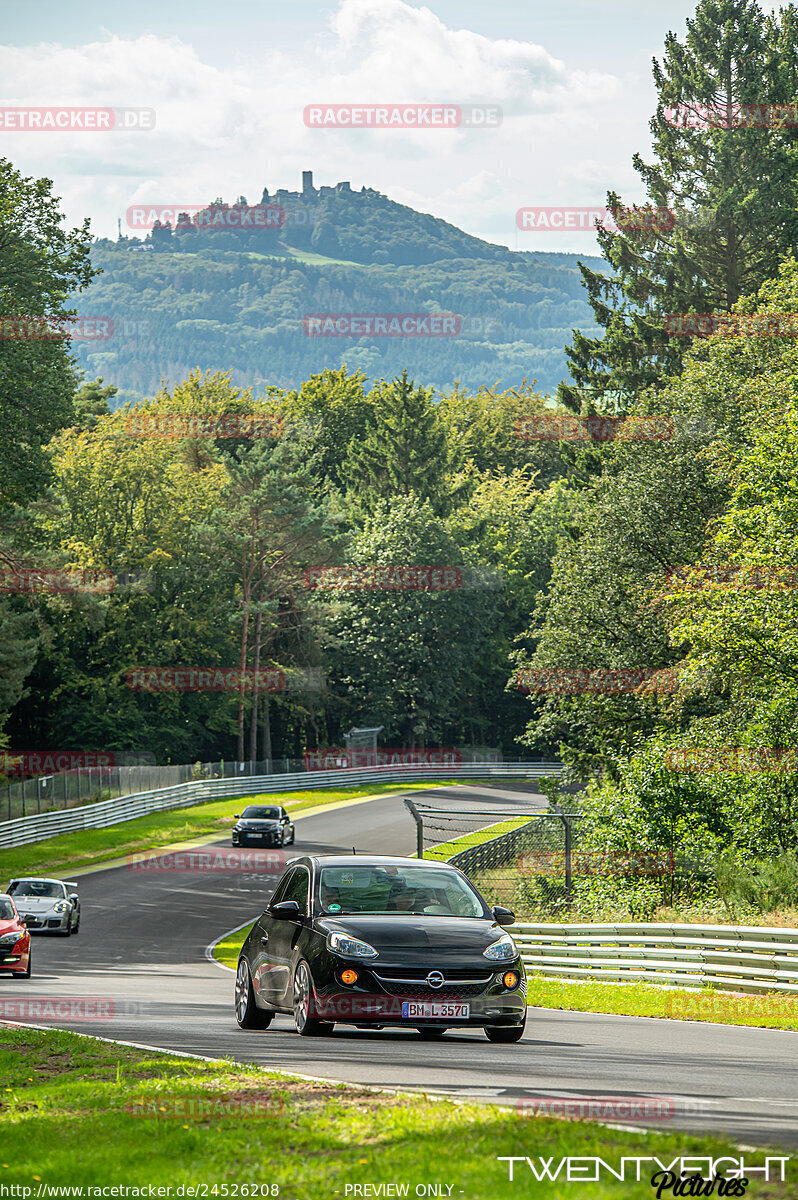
(416, 815)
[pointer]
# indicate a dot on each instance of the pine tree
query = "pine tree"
(404, 451)
(732, 191)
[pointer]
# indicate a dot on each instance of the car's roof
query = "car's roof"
(365, 860)
(37, 879)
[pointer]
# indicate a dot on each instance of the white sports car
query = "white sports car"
(50, 905)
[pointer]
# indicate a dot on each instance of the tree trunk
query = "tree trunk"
(266, 728)
(253, 719)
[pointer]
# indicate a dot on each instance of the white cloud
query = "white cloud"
(232, 129)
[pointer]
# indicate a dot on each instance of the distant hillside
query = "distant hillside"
(230, 300)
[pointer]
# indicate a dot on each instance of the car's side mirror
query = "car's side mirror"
(237, 815)
(286, 910)
(503, 916)
(73, 896)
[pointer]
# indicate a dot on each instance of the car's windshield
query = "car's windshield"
(36, 887)
(263, 814)
(6, 909)
(433, 892)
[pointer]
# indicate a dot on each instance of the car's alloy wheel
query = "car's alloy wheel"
(248, 1015)
(306, 1023)
(505, 1033)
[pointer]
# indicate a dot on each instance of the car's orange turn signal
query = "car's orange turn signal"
(349, 976)
(510, 980)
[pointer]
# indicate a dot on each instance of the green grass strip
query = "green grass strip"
(77, 1112)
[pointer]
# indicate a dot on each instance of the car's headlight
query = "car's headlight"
(61, 907)
(340, 943)
(10, 939)
(503, 949)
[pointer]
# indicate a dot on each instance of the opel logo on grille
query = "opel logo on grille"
(435, 979)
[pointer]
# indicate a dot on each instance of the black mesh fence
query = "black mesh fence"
(520, 859)
(540, 863)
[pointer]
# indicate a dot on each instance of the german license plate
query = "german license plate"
(449, 1012)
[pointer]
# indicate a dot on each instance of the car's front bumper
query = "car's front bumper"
(47, 922)
(256, 839)
(494, 1006)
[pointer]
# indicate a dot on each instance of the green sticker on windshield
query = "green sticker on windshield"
(333, 908)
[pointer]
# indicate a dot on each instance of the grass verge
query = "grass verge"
(79, 1112)
(226, 951)
(68, 851)
(769, 1011)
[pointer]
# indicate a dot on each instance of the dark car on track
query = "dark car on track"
(378, 941)
(263, 825)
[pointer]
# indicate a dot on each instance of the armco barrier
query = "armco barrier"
(729, 957)
(23, 830)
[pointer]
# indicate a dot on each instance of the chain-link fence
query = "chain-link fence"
(72, 789)
(543, 864)
(521, 859)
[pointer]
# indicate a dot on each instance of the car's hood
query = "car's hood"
(36, 903)
(259, 822)
(10, 925)
(449, 936)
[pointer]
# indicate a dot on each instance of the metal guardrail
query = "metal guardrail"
(730, 957)
(24, 830)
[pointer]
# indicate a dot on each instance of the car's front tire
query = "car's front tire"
(306, 1023)
(505, 1033)
(74, 928)
(248, 1015)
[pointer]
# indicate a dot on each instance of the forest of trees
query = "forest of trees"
(676, 554)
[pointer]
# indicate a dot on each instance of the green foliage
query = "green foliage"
(224, 310)
(41, 264)
(733, 192)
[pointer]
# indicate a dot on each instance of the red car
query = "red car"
(14, 941)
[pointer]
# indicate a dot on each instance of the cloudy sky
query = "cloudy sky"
(229, 83)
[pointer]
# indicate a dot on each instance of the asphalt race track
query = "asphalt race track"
(137, 971)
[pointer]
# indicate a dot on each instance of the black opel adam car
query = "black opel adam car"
(376, 942)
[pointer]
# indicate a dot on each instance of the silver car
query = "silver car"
(49, 905)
